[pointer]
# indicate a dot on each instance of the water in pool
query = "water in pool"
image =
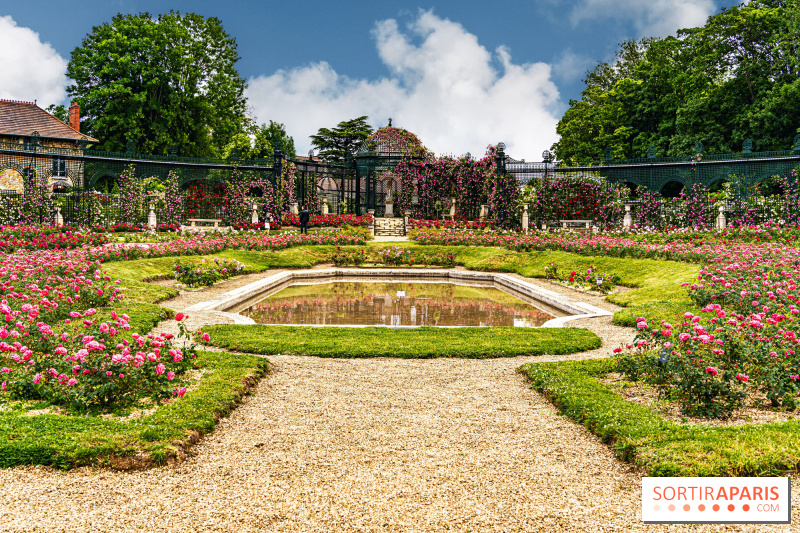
(395, 304)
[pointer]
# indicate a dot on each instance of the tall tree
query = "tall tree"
(732, 79)
(336, 143)
(160, 82)
(275, 135)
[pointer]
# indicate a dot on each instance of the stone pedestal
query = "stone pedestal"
(627, 220)
(151, 217)
(372, 222)
(453, 209)
(294, 208)
(254, 215)
(525, 218)
(722, 222)
(324, 208)
(389, 213)
(406, 218)
(484, 212)
(59, 218)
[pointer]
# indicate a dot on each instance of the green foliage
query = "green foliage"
(205, 273)
(417, 343)
(348, 257)
(267, 138)
(732, 79)
(585, 280)
(160, 81)
(59, 111)
(337, 143)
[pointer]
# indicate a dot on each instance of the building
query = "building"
(35, 143)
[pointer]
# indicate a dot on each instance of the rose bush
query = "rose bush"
(93, 369)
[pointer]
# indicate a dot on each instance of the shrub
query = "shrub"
(206, 273)
(92, 369)
(707, 367)
(345, 257)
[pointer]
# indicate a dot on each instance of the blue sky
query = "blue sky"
(460, 74)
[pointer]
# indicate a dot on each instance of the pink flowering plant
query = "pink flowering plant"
(706, 365)
(93, 366)
(205, 273)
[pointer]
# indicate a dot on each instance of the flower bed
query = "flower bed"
(203, 245)
(14, 238)
(392, 256)
(328, 221)
(259, 226)
(52, 284)
(205, 273)
(447, 223)
(53, 348)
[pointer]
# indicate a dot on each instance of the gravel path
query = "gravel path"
(362, 445)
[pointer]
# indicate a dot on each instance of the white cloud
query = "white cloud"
(570, 67)
(652, 18)
(31, 70)
(443, 86)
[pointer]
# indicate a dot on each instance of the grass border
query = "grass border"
(661, 447)
(412, 343)
(166, 436)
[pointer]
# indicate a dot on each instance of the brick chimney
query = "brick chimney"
(75, 115)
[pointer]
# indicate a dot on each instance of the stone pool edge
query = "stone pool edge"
(229, 300)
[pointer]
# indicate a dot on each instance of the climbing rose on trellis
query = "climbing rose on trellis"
(170, 210)
(131, 197)
(241, 191)
(438, 180)
(391, 140)
(37, 204)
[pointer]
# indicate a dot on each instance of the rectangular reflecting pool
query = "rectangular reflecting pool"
(410, 303)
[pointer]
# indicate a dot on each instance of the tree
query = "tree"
(260, 143)
(732, 79)
(160, 82)
(273, 136)
(59, 111)
(335, 144)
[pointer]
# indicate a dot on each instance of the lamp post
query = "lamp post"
(501, 158)
(546, 157)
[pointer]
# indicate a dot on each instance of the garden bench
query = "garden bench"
(193, 221)
(580, 226)
(576, 223)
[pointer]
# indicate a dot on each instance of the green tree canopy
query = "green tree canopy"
(335, 144)
(275, 135)
(260, 142)
(160, 82)
(734, 78)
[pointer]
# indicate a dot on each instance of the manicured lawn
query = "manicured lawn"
(662, 447)
(67, 441)
(417, 343)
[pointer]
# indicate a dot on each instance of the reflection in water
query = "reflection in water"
(395, 304)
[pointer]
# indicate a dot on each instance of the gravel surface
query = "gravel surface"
(363, 445)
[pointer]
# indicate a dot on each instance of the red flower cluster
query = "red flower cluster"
(14, 238)
(328, 221)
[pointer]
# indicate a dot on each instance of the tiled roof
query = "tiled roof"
(23, 118)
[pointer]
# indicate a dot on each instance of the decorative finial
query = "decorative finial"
(390, 122)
